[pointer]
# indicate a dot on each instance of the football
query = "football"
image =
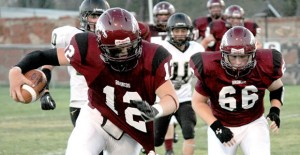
(31, 94)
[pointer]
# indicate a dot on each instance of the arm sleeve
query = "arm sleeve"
(37, 59)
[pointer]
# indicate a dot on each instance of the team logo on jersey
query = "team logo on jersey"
(122, 84)
(236, 82)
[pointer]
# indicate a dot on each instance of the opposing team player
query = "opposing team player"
(234, 16)
(179, 44)
(235, 80)
(89, 12)
(120, 109)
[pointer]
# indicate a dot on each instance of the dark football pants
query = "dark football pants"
(186, 118)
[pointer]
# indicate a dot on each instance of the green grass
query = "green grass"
(26, 129)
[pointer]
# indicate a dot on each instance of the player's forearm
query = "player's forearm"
(201, 108)
(204, 112)
(37, 59)
(207, 40)
(169, 104)
(276, 93)
(275, 103)
(168, 98)
(204, 43)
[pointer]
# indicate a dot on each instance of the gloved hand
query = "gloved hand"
(148, 112)
(224, 134)
(274, 117)
(47, 102)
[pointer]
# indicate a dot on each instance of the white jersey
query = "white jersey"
(181, 72)
(61, 38)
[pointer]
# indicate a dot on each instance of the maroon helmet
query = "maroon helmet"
(162, 8)
(234, 11)
(238, 42)
(211, 3)
(119, 39)
(215, 13)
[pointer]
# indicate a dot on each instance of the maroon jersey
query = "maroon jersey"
(252, 26)
(145, 31)
(110, 91)
(201, 24)
(218, 28)
(158, 33)
(236, 102)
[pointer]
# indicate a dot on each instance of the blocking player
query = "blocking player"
(235, 80)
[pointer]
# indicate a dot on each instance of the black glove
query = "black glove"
(224, 134)
(274, 115)
(47, 102)
(148, 111)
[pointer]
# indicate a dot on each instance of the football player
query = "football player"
(215, 8)
(179, 44)
(158, 32)
(89, 10)
(234, 16)
(161, 13)
(235, 80)
(118, 117)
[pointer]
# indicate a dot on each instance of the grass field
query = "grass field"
(27, 130)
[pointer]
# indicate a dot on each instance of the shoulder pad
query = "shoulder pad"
(82, 42)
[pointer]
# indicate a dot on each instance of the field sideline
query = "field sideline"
(26, 129)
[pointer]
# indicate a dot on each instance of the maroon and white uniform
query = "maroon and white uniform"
(236, 102)
(110, 92)
(218, 28)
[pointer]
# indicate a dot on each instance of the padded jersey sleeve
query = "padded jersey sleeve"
(279, 64)
(270, 65)
(84, 55)
(252, 26)
(161, 67)
(206, 66)
(196, 63)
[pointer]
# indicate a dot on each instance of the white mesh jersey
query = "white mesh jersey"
(181, 71)
(61, 38)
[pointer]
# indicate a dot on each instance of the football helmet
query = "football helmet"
(91, 7)
(118, 36)
(179, 20)
(238, 42)
(234, 12)
(213, 12)
(162, 8)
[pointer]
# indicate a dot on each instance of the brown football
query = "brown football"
(31, 94)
